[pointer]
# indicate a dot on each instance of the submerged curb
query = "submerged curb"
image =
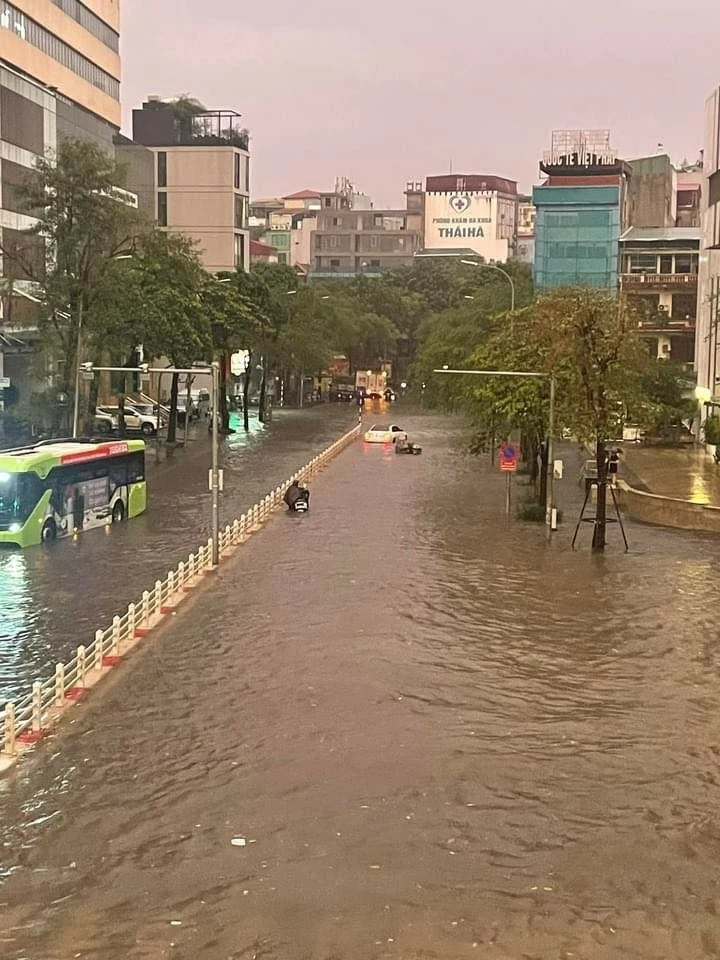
(25, 722)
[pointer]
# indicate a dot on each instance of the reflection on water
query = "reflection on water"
(439, 735)
(54, 598)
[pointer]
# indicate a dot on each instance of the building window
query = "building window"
(666, 263)
(92, 23)
(162, 169)
(334, 263)
(328, 201)
(240, 212)
(375, 263)
(162, 209)
(684, 306)
(714, 188)
(240, 251)
(282, 258)
(13, 19)
(686, 263)
(236, 179)
(642, 263)
(21, 122)
(246, 161)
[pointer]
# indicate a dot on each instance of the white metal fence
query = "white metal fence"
(24, 721)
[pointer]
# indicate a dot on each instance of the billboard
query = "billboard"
(480, 221)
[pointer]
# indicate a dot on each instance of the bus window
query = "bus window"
(136, 467)
(19, 494)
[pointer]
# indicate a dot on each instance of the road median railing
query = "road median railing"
(27, 720)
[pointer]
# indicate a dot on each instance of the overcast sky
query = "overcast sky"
(385, 91)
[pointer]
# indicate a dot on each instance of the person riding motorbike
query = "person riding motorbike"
(294, 493)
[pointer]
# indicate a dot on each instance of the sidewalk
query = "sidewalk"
(687, 474)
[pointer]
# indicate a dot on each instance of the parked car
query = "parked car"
(148, 410)
(134, 420)
(103, 423)
(383, 434)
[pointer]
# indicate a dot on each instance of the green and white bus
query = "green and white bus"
(57, 488)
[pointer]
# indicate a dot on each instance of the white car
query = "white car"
(383, 434)
(134, 420)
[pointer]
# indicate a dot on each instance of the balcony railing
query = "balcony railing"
(645, 281)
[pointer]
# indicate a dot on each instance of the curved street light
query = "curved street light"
(494, 266)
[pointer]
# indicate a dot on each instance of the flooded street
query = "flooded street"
(53, 599)
(431, 734)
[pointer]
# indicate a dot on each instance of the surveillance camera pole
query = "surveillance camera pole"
(76, 403)
(214, 474)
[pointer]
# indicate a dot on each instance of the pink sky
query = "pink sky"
(385, 91)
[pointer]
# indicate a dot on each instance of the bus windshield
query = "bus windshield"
(19, 492)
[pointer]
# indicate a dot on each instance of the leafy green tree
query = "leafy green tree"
(589, 342)
(233, 326)
(667, 406)
(158, 303)
(82, 225)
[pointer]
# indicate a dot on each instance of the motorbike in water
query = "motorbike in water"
(297, 498)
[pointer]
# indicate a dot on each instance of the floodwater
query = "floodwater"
(431, 734)
(54, 598)
(686, 472)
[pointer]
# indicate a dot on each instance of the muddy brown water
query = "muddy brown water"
(439, 735)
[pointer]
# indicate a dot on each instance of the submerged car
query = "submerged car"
(382, 434)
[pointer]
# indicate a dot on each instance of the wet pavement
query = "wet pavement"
(54, 598)
(688, 473)
(437, 734)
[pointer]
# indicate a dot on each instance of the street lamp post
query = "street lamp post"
(550, 517)
(213, 370)
(494, 266)
(214, 472)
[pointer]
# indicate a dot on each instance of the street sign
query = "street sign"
(4, 383)
(508, 459)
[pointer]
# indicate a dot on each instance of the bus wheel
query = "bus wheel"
(49, 531)
(118, 513)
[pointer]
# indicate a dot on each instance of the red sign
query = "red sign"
(508, 459)
(95, 453)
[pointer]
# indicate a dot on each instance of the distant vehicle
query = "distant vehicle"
(201, 402)
(148, 410)
(134, 420)
(57, 488)
(103, 423)
(389, 395)
(371, 384)
(343, 393)
(382, 434)
(405, 446)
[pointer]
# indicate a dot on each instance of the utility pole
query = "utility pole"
(214, 473)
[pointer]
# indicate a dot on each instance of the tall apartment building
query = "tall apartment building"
(470, 214)
(350, 241)
(202, 175)
(582, 208)
(290, 222)
(59, 76)
(659, 276)
(707, 366)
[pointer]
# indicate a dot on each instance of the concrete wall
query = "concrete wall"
(651, 193)
(667, 511)
(707, 365)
